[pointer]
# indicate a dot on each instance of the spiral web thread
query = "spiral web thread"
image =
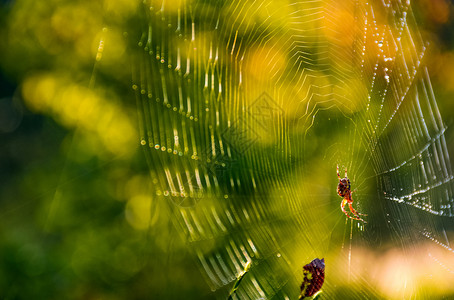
(230, 97)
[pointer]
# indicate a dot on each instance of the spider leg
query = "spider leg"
(355, 212)
(350, 205)
(345, 171)
(338, 175)
(344, 201)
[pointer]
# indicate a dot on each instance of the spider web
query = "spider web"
(246, 108)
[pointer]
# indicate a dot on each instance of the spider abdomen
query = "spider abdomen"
(343, 188)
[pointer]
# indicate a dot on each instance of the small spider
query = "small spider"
(344, 190)
(314, 276)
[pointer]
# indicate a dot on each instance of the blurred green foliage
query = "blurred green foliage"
(75, 206)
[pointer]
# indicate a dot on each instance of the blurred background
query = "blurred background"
(77, 216)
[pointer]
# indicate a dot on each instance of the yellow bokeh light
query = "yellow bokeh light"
(400, 275)
(76, 106)
(351, 96)
(339, 24)
(264, 62)
(120, 8)
(138, 212)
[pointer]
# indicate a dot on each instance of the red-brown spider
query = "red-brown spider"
(344, 190)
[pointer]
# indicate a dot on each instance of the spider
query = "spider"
(314, 276)
(344, 190)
